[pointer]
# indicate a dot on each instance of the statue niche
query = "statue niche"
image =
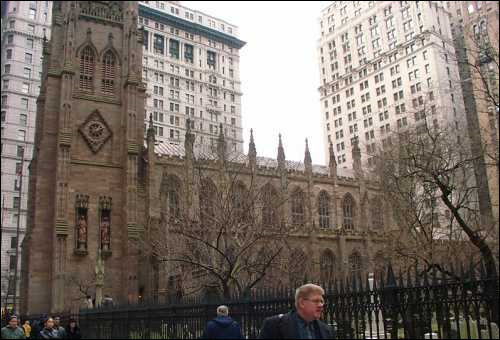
(81, 224)
(105, 225)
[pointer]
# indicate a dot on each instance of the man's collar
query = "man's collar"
(307, 323)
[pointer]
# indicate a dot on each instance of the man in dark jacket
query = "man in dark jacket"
(303, 323)
(222, 327)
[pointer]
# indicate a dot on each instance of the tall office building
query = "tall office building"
(190, 66)
(386, 66)
(24, 25)
(475, 31)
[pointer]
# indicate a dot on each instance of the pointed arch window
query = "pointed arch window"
(298, 207)
(87, 67)
(108, 72)
(297, 267)
(324, 210)
(327, 266)
(348, 212)
(241, 202)
(355, 264)
(377, 213)
(173, 197)
(208, 195)
(269, 199)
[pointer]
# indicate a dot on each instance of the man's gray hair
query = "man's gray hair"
(305, 291)
(222, 311)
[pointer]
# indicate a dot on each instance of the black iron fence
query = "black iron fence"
(415, 305)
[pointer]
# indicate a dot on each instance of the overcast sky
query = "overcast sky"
(279, 72)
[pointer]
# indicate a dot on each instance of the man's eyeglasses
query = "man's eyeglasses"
(316, 301)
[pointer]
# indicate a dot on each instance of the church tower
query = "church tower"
(84, 184)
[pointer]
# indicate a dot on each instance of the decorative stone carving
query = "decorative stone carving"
(107, 10)
(95, 131)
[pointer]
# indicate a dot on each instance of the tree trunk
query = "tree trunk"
(487, 257)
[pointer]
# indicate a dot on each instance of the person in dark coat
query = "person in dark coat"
(38, 327)
(303, 323)
(72, 330)
(222, 327)
(49, 331)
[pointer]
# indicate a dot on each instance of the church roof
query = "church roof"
(209, 153)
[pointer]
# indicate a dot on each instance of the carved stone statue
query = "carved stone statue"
(105, 239)
(82, 233)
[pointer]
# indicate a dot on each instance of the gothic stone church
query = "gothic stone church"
(96, 182)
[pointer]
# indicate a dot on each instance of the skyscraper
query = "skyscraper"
(191, 66)
(385, 66)
(24, 26)
(475, 32)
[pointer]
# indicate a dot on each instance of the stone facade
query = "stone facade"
(351, 240)
(89, 135)
(175, 84)
(95, 184)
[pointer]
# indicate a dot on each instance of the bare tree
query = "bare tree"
(231, 245)
(80, 284)
(429, 180)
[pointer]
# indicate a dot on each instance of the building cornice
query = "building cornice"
(189, 26)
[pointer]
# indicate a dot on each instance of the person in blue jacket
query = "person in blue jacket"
(223, 326)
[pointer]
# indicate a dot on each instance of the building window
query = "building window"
(173, 197)
(21, 135)
(377, 213)
(298, 267)
(327, 266)
(108, 72)
(13, 242)
(174, 48)
(208, 199)
(188, 53)
(20, 151)
(298, 207)
(324, 210)
(8, 54)
(269, 211)
(12, 261)
(16, 202)
(87, 65)
(29, 43)
(27, 73)
(24, 103)
(355, 265)
(159, 44)
(348, 212)
(23, 119)
(211, 59)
